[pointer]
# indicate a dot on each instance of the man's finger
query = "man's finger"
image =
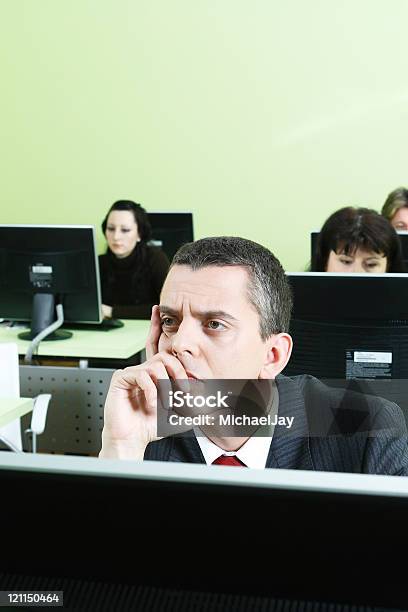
(155, 330)
(149, 389)
(173, 366)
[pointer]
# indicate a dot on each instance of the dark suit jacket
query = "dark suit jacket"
(333, 430)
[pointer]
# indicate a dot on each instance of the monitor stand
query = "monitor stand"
(42, 316)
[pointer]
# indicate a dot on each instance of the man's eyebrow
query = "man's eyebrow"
(202, 314)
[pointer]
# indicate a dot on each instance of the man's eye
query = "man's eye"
(372, 264)
(346, 261)
(215, 325)
(167, 322)
(125, 231)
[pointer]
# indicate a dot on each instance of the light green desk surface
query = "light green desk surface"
(120, 343)
(12, 408)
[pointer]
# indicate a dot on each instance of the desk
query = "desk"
(13, 408)
(118, 343)
(75, 414)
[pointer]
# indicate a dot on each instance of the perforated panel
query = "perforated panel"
(75, 414)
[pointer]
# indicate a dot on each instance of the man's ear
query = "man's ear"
(279, 349)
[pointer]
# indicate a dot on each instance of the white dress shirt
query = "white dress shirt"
(253, 453)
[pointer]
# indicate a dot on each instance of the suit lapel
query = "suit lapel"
(185, 448)
(290, 448)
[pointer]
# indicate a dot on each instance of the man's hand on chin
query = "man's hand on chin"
(130, 415)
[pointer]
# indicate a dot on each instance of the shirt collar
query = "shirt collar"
(253, 453)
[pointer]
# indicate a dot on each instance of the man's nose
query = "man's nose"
(185, 340)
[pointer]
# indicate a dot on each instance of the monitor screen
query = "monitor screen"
(45, 265)
(313, 243)
(403, 236)
(294, 534)
(349, 325)
(170, 230)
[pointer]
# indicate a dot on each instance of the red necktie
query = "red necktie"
(229, 460)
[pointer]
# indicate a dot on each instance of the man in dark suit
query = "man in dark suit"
(224, 314)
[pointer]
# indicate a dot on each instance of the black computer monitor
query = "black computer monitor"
(45, 265)
(124, 535)
(170, 230)
(403, 236)
(313, 243)
(349, 325)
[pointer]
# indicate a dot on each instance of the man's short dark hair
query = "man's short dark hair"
(268, 288)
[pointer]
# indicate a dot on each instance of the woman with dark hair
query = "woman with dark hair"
(395, 208)
(357, 240)
(132, 272)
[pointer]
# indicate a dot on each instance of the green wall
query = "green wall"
(262, 117)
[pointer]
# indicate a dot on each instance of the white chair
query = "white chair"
(10, 434)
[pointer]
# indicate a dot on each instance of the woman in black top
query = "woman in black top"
(132, 273)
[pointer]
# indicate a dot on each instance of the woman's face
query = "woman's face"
(359, 261)
(400, 219)
(122, 232)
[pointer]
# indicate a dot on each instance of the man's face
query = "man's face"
(209, 324)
